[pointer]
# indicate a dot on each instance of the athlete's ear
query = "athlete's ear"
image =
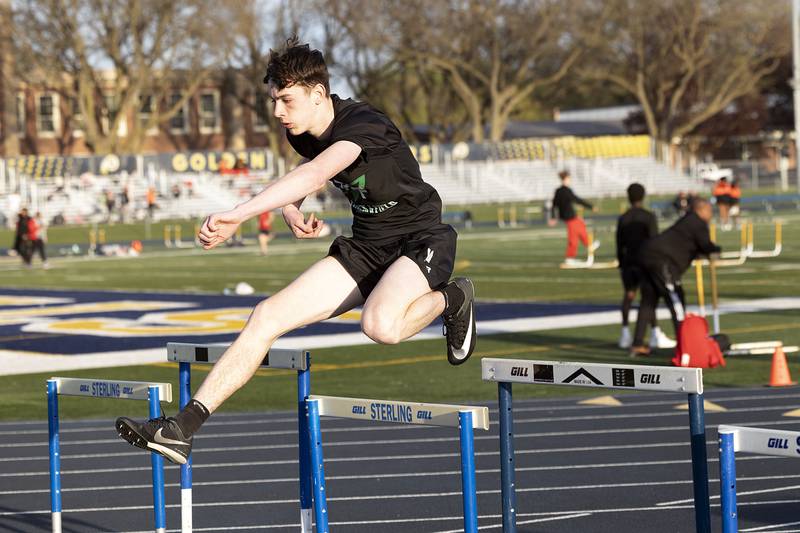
(317, 94)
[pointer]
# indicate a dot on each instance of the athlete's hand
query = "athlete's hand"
(218, 228)
(301, 227)
(551, 222)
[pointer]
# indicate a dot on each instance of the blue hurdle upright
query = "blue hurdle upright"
(99, 388)
(734, 439)
(464, 417)
(300, 360)
(626, 377)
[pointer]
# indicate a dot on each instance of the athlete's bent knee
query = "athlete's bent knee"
(379, 329)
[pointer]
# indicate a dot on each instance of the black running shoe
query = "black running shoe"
(459, 327)
(161, 435)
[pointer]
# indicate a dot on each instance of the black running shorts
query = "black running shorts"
(631, 277)
(433, 251)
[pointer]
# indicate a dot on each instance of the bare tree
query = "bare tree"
(259, 28)
(685, 61)
(496, 53)
(112, 58)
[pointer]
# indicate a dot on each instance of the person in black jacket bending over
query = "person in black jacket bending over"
(576, 228)
(663, 260)
(634, 228)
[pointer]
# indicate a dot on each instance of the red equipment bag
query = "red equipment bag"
(695, 348)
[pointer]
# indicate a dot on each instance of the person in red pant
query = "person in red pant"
(576, 227)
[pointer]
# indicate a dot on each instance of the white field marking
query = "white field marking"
(539, 405)
(748, 493)
(11, 363)
(372, 441)
(366, 522)
(384, 458)
(772, 526)
(534, 521)
(443, 473)
(362, 443)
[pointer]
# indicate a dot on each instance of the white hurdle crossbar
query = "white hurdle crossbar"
(187, 354)
(461, 416)
(607, 376)
(734, 439)
(153, 393)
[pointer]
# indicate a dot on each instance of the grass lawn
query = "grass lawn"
(508, 265)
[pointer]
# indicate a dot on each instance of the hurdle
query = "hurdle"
(99, 388)
(597, 375)
(745, 242)
(734, 439)
(172, 236)
(776, 251)
(466, 418)
(185, 354)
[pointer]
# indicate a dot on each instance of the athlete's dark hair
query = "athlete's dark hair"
(297, 64)
(635, 193)
(563, 175)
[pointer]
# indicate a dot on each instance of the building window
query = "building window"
(145, 114)
(76, 117)
(47, 116)
(260, 122)
(178, 122)
(209, 112)
(20, 114)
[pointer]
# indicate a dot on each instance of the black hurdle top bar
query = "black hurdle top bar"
(181, 352)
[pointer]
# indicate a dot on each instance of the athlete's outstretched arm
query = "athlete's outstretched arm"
(294, 186)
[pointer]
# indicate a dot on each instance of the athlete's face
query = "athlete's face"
(297, 106)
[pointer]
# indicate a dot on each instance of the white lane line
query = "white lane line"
(249, 464)
(390, 496)
(738, 493)
(772, 526)
(392, 427)
(442, 473)
(523, 522)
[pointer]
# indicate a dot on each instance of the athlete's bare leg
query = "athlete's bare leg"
(401, 304)
(322, 291)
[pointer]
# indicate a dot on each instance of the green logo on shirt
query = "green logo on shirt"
(356, 189)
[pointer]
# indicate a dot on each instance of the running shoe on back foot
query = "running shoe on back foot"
(161, 435)
(459, 325)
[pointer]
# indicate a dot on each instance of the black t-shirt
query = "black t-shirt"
(563, 200)
(387, 195)
(680, 244)
(634, 227)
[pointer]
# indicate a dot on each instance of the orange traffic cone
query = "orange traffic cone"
(779, 376)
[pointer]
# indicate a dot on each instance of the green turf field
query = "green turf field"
(509, 264)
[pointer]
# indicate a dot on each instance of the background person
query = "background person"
(576, 227)
(735, 197)
(634, 228)
(265, 230)
(663, 260)
(22, 241)
(721, 193)
(37, 233)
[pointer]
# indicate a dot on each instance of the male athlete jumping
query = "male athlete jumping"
(397, 263)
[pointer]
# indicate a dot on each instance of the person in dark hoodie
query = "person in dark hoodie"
(663, 260)
(634, 228)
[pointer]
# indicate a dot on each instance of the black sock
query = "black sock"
(192, 417)
(453, 298)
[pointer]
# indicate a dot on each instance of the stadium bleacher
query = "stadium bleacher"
(513, 170)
